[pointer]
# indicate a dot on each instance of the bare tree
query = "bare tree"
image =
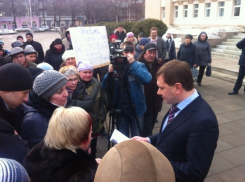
(74, 8)
(13, 8)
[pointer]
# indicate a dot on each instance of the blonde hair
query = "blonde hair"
(69, 70)
(68, 128)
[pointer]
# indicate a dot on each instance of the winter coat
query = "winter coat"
(62, 33)
(138, 52)
(54, 58)
(31, 65)
(98, 115)
(241, 45)
(120, 36)
(3, 61)
(5, 53)
(188, 53)
(11, 145)
(80, 95)
(203, 51)
(38, 47)
(113, 47)
(50, 165)
(126, 39)
(153, 100)
(66, 42)
(37, 112)
(137, 76)
(170, 47)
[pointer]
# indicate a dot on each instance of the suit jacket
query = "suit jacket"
(189, 141)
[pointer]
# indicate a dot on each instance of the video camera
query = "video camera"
(118, 60)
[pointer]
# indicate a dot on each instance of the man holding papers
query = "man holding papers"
(189, 131)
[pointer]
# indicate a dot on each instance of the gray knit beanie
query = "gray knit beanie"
(48, 83)
(11, 170)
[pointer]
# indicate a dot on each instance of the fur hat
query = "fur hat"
(68, 54)
(57, 41)
(134, 161)
(11, 170)
(48, 83)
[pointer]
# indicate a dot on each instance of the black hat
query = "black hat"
(17, 44)
(16, 50)
(150, 46)
(57, 41)
(15, 77)
(35, 72)
(19, 36)
(141, 34)
(189, 36)
(29, 33)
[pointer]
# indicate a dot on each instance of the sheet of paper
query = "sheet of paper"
(118, 137)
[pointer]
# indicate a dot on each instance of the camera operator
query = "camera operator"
(136, 75)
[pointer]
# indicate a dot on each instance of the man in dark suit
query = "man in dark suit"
(189, 131)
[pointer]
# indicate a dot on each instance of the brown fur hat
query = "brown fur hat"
(134, 161)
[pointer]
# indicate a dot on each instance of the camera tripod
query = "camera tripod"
(119, 81)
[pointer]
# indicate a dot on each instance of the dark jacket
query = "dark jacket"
(81, 98)
(203, 51)
(138, 51)
(38, 47)
(3, 61)
(188, 53)
(113, 47)
(98, 114)
(50, 165)
(120, 36)
(161, 48)
(53, 57)
(170, 47)
(241, 45)
(11, 145)
(4, 53)
(37, 112)
(137, 76)
(153, 100)
(189, 141)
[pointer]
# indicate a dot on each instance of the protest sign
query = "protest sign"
(91, 45)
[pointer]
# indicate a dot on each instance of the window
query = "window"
(185, 11)
(195, 10)
(176, 12)
(163, 13)
(208, 9)
(221, 9)
(237, 4)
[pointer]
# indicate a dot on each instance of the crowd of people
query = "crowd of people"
(53, 108)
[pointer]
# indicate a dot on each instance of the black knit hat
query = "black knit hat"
(15, 77)
(188, 36)
(29, 33)
(19, 36)
(57, 41)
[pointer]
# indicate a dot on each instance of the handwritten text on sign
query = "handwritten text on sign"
(91, 44)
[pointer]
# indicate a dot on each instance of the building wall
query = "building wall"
(19, 22)
(214, 20)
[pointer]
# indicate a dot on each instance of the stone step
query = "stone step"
(227, 47)
(238, 36)
(217, 50)
(225, 70)
(225, 55)
(233, 52)
(241, 34)
(233, 40)
(228, 43)
(226, 77)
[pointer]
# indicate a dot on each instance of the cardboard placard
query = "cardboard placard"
(91, 45)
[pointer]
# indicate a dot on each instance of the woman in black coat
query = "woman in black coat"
(204, 55)
(170, 47)
(54, 54)
(188, 52)
(63, 156)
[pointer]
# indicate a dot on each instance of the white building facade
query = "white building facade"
(202, 13)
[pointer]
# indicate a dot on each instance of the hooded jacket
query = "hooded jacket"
(53, 57)
(170, 46)
(38, 47)
(188, 53)
(11, 145)
(66, 42)
(120, 36)
(50, 165)
(203, 51)
(241, 45)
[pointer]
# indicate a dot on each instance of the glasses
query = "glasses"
(73, 80)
